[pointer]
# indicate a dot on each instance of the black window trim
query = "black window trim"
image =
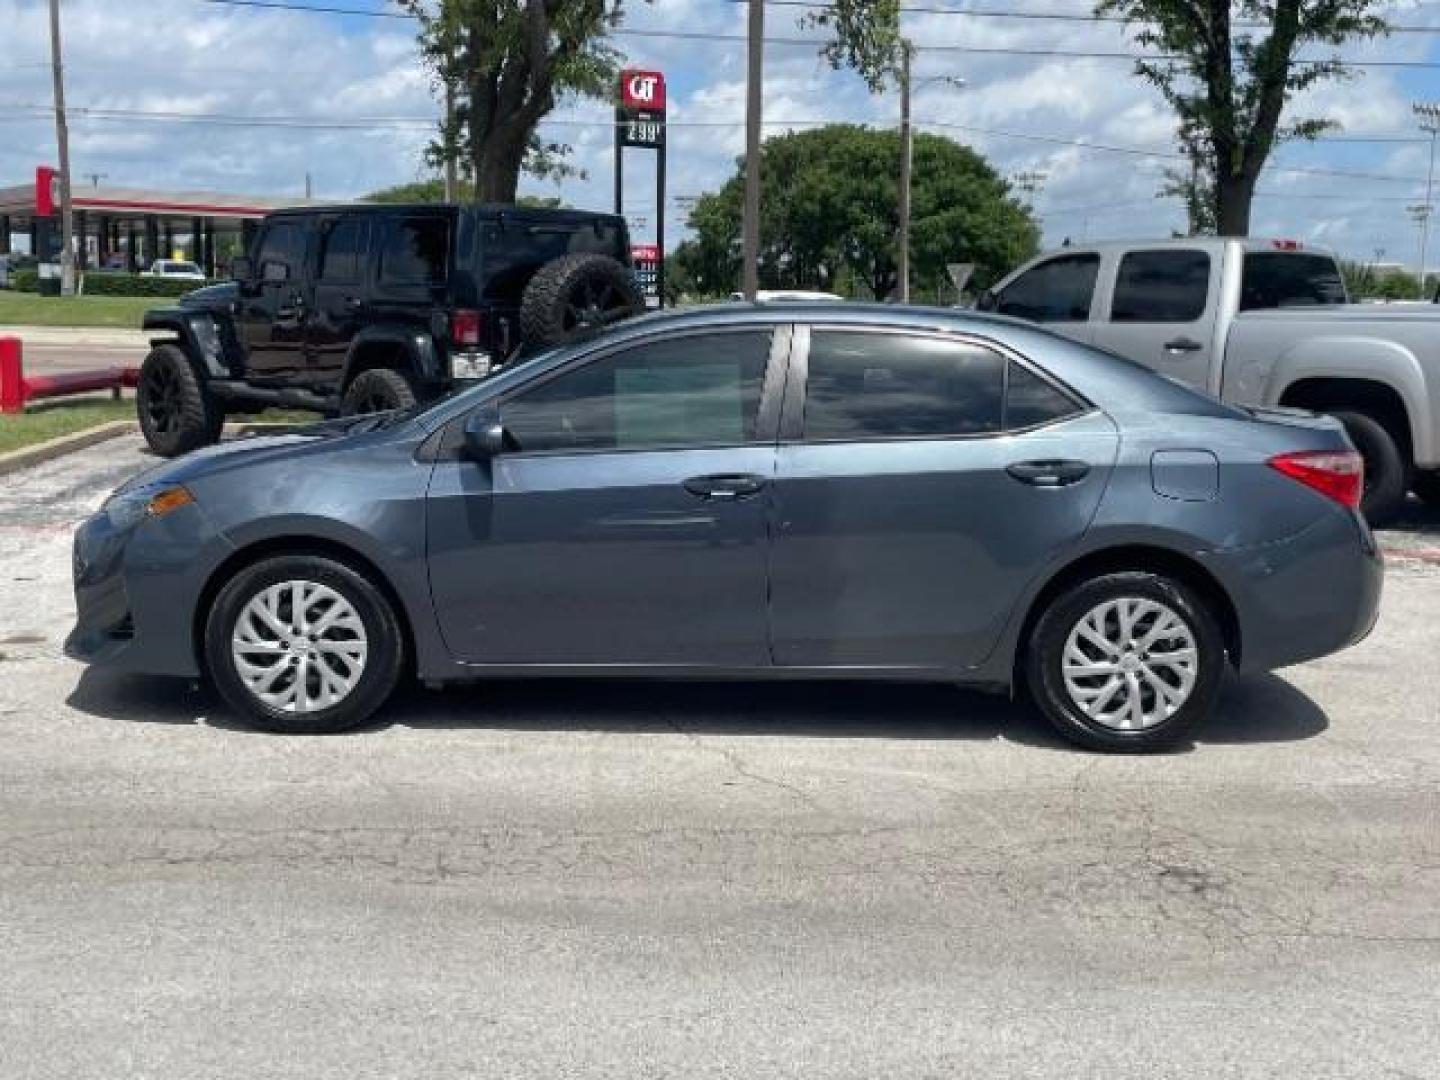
(792, 420)
(1210, 264)
(781, 353)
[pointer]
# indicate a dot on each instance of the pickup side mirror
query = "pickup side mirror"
(485, 435)
(241, 268)
(987, 301)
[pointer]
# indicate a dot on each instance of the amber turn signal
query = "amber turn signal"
(167, 500)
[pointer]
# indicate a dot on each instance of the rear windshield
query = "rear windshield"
(1282, 279)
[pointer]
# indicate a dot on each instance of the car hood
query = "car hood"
(326, 436)
(212, 297)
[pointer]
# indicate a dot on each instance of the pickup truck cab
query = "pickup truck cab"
(1260, 323)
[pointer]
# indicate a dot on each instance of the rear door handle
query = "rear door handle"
(725, 487)
(1183, 345)
(1049, 474)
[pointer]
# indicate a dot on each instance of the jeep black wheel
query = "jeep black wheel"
(377, 390)
(575, 295)
(175, 412)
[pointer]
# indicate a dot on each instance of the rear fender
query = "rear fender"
(413, 350)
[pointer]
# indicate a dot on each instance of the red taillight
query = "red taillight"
(465, 327)
(1339, 474)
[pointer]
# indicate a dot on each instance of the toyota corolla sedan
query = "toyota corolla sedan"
(753, 491)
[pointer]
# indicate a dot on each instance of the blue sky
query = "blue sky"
(187, 58)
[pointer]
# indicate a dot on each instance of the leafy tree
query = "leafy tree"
(1234, 69)
(432, 190)
(508, 63)
(1368, 282)
(829, 215)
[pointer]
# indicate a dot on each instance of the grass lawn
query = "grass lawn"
(29, 309)
(51, 419)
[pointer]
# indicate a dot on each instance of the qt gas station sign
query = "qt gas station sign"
(640, 122)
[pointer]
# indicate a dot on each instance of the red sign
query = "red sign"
(644, 90)
(47, 190)
(643, 253)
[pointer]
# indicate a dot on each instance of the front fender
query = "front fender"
(200, 332)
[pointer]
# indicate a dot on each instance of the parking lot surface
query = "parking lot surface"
(588, 879)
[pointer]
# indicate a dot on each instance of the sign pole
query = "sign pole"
(660, 224)
(640, 121)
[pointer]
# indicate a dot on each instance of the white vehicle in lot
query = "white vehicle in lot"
(1260, 323)
(175, 269)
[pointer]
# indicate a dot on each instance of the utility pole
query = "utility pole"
(754, 77)
(96, 177)
(62, 138)
(1429, 114)
(906, 155)
(452, 185)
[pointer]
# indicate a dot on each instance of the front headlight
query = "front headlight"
(131, 508)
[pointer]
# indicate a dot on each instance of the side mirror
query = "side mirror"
(987, 301)
(485, 436)
(273, 271)
(241, 268)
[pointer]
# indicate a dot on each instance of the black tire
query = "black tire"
(176, 412)
(382, 635)
(1386, 472)
(1426, 486)
(378, 390)
(576, 295)
(1045, 659)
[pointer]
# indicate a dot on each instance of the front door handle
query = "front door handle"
(725, 487)
(1049, 474)
(1183, 345)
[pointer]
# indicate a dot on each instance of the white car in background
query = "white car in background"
(783, 295)
(176, 269)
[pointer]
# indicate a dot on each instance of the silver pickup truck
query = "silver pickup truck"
(1256, 323)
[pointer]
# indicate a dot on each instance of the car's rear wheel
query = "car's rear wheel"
(175, 412)
(378, 390)
(301, 644)
(1126, 661)
(1386, 478)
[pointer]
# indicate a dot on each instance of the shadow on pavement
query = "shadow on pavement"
(1253, 709)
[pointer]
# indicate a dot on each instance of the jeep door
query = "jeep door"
(627, 520)
(342, 284)
(270, 312)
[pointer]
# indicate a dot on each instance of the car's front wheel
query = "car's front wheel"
(302, 644)
(1126, 661)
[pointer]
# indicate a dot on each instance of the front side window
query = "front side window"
(1168, 286)
(283, 243)
(417, 251)
(1057, 290)
(694, 391)
(343, 253)
(875, 386)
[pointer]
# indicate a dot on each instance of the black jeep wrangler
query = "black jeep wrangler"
(366, 308)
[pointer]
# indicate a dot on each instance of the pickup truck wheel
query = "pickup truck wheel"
(1386, 479)
(176, 413)
(576, 294)
(377, 390)
(1426, 486)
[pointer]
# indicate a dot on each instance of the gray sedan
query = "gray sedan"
(753, 491)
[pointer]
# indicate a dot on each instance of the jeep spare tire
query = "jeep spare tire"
(575, 295)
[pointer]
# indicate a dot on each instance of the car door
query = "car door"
(1162, 312)
(270, 311)
(627, 521)
(341, 293)
(1058, 291)
(922, 481)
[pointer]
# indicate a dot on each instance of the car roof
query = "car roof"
(552, 213)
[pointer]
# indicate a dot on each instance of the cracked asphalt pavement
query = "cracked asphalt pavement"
(599, 880)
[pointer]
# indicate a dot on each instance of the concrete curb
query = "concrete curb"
(28, 456)
(95, 337)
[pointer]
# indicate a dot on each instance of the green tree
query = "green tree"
(829, 215)
(1229, 70)
(1364, 281)
(509, 62)
(432, 190)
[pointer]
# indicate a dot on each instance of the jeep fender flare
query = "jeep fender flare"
(416, 347)
(1363, 359)
(200, 337)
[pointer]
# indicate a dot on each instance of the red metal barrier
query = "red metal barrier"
(16, 391)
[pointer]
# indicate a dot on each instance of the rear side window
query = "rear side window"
(1031, 401)
(1057, 290)
(1161, 287)
(875, 386)
(512, 249)
(1279, 279)
(416, 251)
(344, 250)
